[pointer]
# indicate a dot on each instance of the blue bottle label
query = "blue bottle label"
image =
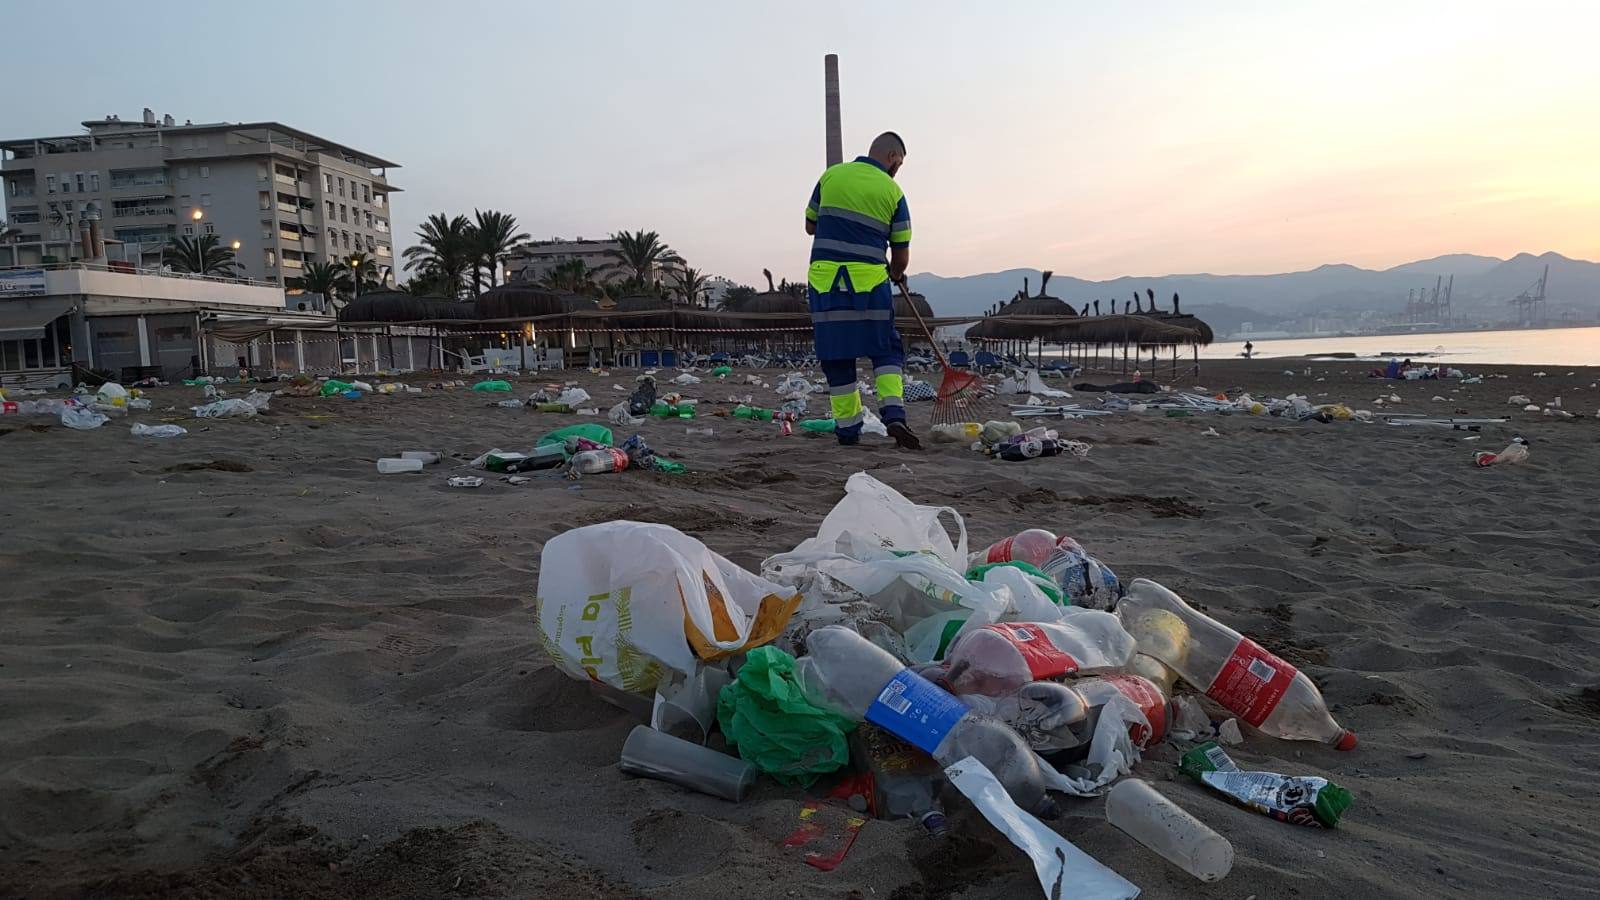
(915, 710)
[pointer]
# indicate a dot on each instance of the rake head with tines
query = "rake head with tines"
(962, 396)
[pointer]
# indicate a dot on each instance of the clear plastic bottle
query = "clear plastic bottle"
(391, 466)
(1049, 715)
(1166, 828)
(1253, 684)
(598, 462)
(998, 659)
(846, 672)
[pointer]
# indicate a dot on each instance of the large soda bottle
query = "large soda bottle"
(1086, 581)
(1032, 546)
(997, 659)
(597, 462)
(846, 672)
(1258, 687)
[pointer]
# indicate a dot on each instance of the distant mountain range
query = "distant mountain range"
(1481, 282)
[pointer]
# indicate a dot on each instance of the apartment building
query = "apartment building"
(281, 197)
(532, 262)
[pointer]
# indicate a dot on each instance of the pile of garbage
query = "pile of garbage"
(882, 657)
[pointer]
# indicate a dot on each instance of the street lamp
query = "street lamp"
(236, 245)
(355, 271)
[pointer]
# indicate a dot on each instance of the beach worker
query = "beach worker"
(1249, 348)
(858, 217)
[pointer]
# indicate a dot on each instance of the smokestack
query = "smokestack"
(149, 116)
(167, 120)
(830, 91)
(97, 241)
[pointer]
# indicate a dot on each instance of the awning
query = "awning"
(25, 320)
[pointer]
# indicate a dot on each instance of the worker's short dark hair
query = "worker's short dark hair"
(886, 143)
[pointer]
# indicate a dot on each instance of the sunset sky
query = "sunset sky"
(1096, 141)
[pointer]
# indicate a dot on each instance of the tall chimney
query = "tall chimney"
(149, 116)
(830, 79)
(167, 120)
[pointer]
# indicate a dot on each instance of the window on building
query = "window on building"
(341, 187)
(344, 213)
(205, 171)
(345, 236)
(205, 199)
(94, 181)
(366, 194)
(261, 171)
(266, 234)
(55, 234)
(272, 257)
(82, 183)
(371, 244)
(49, 184)
(188, 231)
(209, 228)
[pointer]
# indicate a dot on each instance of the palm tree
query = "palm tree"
(204, 255)
(445, 247)
(329, 279)
(691, 284)
(792, 288)
(367, 274)
(733, 296)
(571, 275)
(494, 234)
(639, 254)
(428, 282)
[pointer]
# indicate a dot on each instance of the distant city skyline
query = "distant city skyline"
(1168, 138)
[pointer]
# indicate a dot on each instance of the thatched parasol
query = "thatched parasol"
(398, 306)
(518, 301)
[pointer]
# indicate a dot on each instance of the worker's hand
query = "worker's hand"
(900, 280)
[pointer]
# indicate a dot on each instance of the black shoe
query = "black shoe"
(849, 440)
(904, 437)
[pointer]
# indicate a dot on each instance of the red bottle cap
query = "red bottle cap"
(1347, 741)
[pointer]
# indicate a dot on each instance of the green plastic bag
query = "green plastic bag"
(592, 431)
(1042, 581)
(332, 386)
(722, 370)
(769, 722)
(504, 386)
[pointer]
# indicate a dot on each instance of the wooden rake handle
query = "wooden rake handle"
(926, 332)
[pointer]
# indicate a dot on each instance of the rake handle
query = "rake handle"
(926, 332)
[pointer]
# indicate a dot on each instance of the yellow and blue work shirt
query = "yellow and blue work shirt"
(860, 212)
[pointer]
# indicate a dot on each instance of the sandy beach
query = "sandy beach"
(241, 663)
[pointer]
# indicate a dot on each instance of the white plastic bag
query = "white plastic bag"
(627, 602)
(112, 394)
(882, 515)
(158, 431)
(573, 397)
(1063, 869)
(225, 409)
(686, 378)
(258, 399)
(620, 416)
(82, 418)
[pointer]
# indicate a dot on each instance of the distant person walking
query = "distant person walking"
(1249, 349)
(857, 215)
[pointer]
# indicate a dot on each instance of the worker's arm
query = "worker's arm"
(811, 226)
(900, 242)
(812, 207)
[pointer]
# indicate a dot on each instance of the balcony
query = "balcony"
(383, 251)
(293, 264)
(136, 211)
(289, 209)
(281, 178)
(284, 235)
(381, 226)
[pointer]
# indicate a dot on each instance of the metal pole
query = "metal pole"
(830, 91)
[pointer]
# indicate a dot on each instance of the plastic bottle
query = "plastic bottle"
(844, 671)
(1032, 546)
(1253, 684)
(1025, 449)
(10, 408)
(700, 432)
(1097, 690)
(398, 466)
(1164, 827)
(998, 659)
(1515, 452)
(1160, 635)
(598, 462)
(957, 433)
(752, 412)
(1048, 715)
(656, 754)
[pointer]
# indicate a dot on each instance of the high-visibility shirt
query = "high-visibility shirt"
(860, 212)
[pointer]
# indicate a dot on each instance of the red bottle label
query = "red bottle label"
(1251, 682)
(1044, 659)
(1150, 702)
(1000, 551)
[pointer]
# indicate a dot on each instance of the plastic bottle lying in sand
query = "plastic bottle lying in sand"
(1023, 450)
(957, 433)
(598, 462)
(1032, 546)
(1253, 684)
(846, 672)
(655, 754)
(398, 466)
(1515, 452)
(754, 413)
(1164, 827)
(998, 659)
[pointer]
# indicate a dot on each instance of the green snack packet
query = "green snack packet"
(769, 722)
(1299, 800)
(1036, 575)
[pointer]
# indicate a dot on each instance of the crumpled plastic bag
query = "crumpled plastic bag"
(686, 378)
(157, 431)
(573, 397)
(225, 409)
(619, 415)
(82, 418)
(771, 724)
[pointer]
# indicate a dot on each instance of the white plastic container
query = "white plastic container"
(427, 457)
(398, 466)
(1164, 827)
